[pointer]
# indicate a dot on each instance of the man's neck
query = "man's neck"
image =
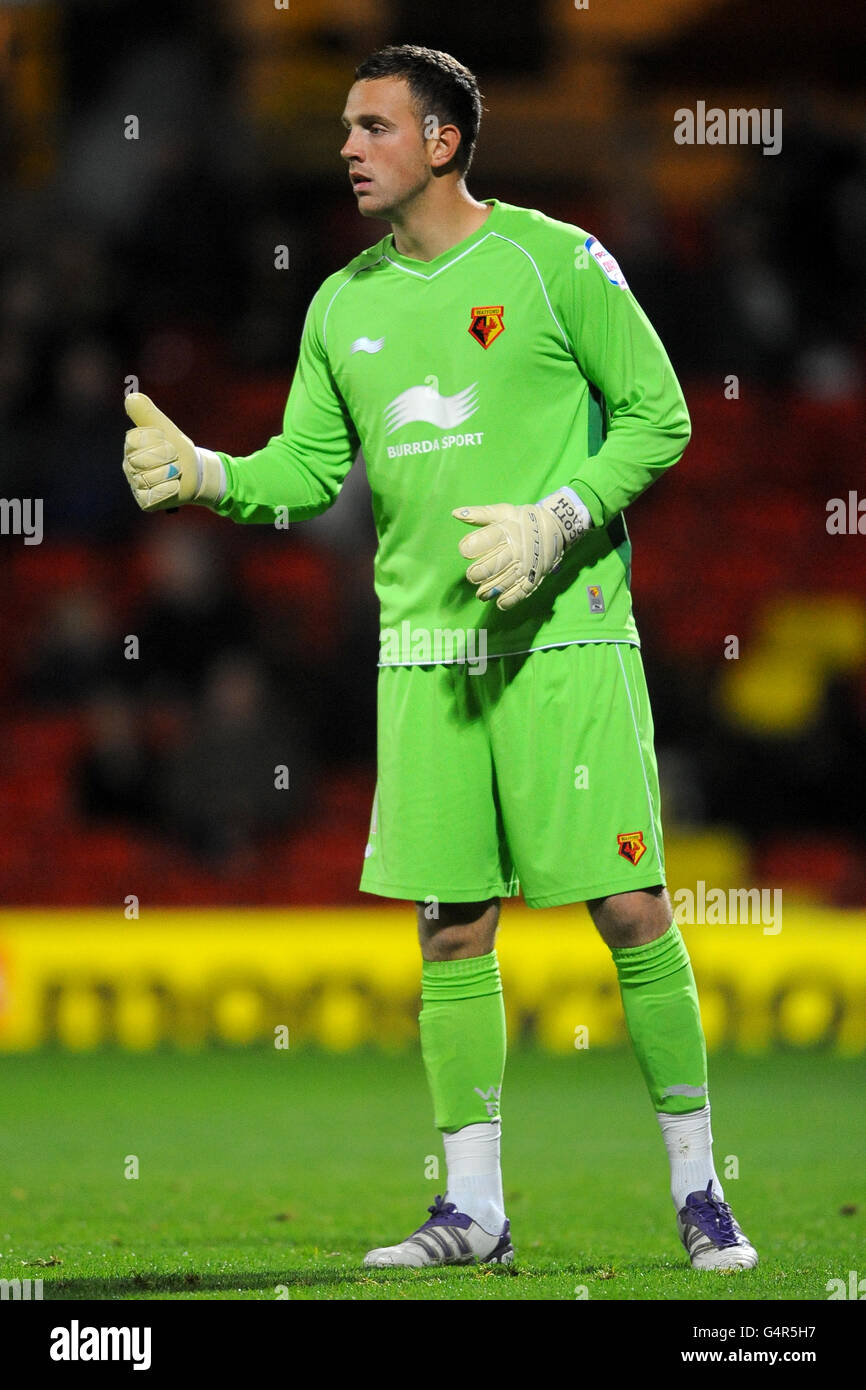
(426, 232)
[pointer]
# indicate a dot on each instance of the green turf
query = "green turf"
(266, 1169)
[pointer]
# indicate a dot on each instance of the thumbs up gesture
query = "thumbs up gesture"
(162, 466)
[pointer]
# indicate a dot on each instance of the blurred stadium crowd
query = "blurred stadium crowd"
(158, 669)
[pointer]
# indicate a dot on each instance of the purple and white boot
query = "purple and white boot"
(711, 1235)
(450, 1237)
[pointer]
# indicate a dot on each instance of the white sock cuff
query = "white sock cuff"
(474, 1138)
(690, 1121)
(473, 1149)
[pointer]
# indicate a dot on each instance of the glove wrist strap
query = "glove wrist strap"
(211, 479)
(570, 512)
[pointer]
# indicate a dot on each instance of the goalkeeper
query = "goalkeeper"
(511, 399)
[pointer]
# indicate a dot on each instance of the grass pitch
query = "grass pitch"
(266, 1174)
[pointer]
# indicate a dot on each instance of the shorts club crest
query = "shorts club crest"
(631, 846)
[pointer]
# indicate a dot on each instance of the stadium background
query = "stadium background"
(155, 886)
(189, 978)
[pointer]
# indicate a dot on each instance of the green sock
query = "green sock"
(663, 1018)
(462, 1023)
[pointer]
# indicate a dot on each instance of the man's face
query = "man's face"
(385, 144)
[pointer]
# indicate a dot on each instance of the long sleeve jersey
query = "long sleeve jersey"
(511, 365)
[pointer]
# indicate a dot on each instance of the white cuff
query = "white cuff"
(570, 512)
(211, 481)
(582, 509)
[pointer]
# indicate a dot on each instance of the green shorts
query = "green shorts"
(537, 775)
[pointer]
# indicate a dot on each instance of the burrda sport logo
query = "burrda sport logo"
(426, 404)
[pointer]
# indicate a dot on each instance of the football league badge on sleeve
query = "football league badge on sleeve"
(486, 323)
(608, 263)
(631, 846)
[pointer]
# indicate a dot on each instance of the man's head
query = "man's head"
(412, 116)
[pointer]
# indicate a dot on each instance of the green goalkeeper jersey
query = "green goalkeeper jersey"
(511, 365)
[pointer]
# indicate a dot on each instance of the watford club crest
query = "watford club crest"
(631, 846)
(486, 324)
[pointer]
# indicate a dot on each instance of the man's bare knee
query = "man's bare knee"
(456, 931)
(632, 919)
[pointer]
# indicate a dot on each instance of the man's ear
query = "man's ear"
(448, 138)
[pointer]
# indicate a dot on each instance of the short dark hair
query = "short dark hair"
(439, 86)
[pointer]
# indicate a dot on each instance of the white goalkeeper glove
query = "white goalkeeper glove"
(517, 547)
(164, 468)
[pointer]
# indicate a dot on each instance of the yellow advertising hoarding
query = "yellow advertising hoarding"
(340, 978)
